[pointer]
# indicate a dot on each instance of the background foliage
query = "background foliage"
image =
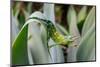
(29, 37)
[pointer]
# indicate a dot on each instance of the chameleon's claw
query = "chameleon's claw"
(75, 38)
(74, 45)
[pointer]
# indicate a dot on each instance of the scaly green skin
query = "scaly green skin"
(54, 34)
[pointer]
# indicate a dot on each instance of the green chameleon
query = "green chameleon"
(54, 34)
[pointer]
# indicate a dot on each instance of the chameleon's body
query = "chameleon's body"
(54, 34)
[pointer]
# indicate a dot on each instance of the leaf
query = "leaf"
(82, 14)
(29, 8)
(21, 46)
(19, 49)
(43, 34)
(37, 47)
(37, 44)
(14, 28)
(56, 51)
(90, 19)
(73, 30)
(48, 11)
(80, 26)
(61, 29)
(15, 8)
(86, 51)
(21, 19)
(81, 18)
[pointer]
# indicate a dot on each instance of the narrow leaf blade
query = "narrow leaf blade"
(86, 51)
(90, 19)
(19, 49)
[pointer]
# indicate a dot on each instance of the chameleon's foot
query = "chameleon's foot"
(73, 45)
(75, 38)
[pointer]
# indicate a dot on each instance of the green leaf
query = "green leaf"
(80, 26)
(21, 19)
(56, 51)
(37, 46)
(90, 19)
(38, 42)
(14, 28)
(44, 37)
(73, 30)
(15, 8)
(19, 49)
(81, 18)
(61, 29)
(86, 51)
(43, 34)
(82, 14)
(37, 49)
(72, 21)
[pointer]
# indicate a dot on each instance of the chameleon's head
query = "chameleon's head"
(69, 39)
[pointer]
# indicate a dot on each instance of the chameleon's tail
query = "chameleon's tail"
(43, 20)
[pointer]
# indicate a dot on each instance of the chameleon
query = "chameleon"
(56, 36)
